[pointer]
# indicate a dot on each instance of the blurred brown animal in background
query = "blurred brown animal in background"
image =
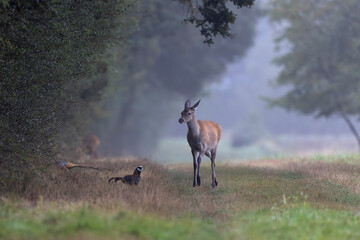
(90, 145)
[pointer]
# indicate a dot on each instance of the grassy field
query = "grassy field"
(265, 199)
(177, 150)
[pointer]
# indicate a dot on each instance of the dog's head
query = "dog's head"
(138, 170)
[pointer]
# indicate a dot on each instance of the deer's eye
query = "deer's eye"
(188, 113)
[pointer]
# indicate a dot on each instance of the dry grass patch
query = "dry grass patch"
(168, 190)
(155, 193)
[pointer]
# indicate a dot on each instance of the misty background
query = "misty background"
(233, 95)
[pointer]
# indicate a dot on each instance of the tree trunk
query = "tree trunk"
(351, 126)
(118, 138)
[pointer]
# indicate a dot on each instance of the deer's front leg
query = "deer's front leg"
(198, 168)
(214, 180)
(194, 154)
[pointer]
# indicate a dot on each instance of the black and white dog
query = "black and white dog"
(133, 179)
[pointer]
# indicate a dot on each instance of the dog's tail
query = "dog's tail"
(115, 179)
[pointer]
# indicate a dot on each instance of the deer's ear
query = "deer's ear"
(195, 105)
(187, 104)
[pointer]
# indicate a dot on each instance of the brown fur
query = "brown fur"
(211, 132)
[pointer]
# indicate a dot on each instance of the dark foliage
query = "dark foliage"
(50, 65)
(214, 16)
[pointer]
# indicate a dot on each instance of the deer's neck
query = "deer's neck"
(193, 126)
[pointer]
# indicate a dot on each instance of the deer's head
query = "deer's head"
(188, 113)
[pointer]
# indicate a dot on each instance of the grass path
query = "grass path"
(269, 199)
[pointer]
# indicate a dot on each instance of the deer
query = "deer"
(203, 138)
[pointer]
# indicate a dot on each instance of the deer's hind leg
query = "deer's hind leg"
(213, 156)
(208, 154)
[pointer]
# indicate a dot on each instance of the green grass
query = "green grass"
(22, 223)
(296, 223)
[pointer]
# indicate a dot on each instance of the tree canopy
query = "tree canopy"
(213, 16)
(321, 66)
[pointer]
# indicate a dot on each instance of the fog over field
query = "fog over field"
(237, 103)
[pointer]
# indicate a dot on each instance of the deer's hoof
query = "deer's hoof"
(214, 184)
(198, 181)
